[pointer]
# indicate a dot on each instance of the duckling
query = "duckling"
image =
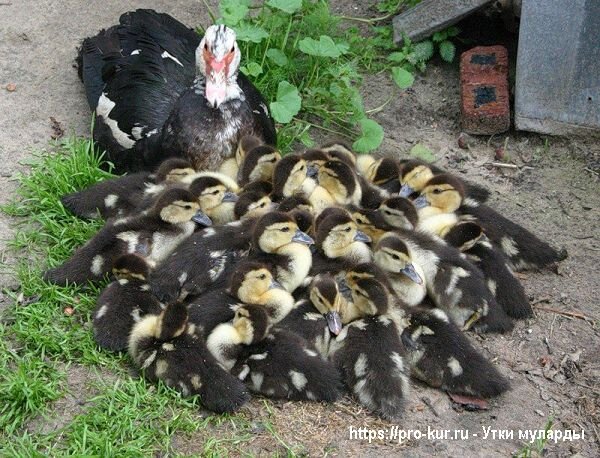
(301, 210)
(123, 303)
(341, 152)
(251, 283)
(452, 282)
(292, 175)
(414, 175)
(252, 204)
(258, 164)
(470, 239)
(278, 241)
(439, 354)
(339, 242)
(166, 348)
(153, 236)
(399, 213)
(283, 365)
(364, 162)
(337, 185)
(215, 198)
(444, 194)
(231, 166)
(121, 195)
(369, 353)
(385, 173)
(264, 187)
(318, 317)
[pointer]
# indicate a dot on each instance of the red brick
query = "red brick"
(485, 103)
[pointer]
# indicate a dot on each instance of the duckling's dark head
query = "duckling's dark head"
(370, 222)
(265, 187)
(326, 297)
(212, 192)
(338, 179)
(392, 255)
(252, 203)
(414, 175)
(399, 212)
(370, 296)
(259, 164)
(289, 176)
(252, 323)
(218, 60)
(276, 230)
(365, 270)
(246, 143)
(315, 157)
(130, 266)
(295, 203)
(336, 233)
(178, 205)
(340, 151)
(443, 191)
(464, 235)
(383, 171)
(173, 170)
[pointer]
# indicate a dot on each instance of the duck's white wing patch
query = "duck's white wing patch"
(103, 109)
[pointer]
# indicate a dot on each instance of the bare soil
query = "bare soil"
(552, 360)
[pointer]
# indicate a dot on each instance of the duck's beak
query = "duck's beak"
(421, 202)
(230, 197)
(302, 237)
(334, 322)
(201, 218)
(405, 190)
(411, 273)
(360, 236)
(472, 320)
(408, 342)
(275, 285)
(312, 171)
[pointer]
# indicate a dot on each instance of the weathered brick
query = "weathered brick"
(485, 103)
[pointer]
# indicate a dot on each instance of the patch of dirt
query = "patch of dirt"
(552, 360)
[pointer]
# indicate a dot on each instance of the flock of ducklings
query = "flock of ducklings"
(302, 277)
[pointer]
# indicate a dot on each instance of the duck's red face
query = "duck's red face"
(218, 58)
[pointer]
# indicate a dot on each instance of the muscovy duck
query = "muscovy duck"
(158, 89)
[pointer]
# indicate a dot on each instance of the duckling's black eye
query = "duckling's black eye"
(437, 191)
(285, 229)
(263, 205)
(395, 256)
(262, 277)
(348, 229)
(387, 212)
(301, 168)
(188, 207)
(214, 193)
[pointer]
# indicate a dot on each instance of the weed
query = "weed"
(536, 448)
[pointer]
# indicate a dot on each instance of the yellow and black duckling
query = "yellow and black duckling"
(318, 317)
(385, 173)
(216, 199)
(153, 236)
(414, 175)
(293, 175)
(337, 184)
(399, 213)
(119, 196)
(339, 242)
(253, 203)
(258, 165)
(470, 239)
(231, 166)
(166, 348)
(439, 354)
(278, 241)
(453, 283)
(301, 210)
(444, 194)
(283, 365)
(123, 303)
(369, 352)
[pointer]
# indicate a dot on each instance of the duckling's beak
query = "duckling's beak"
(312, 171)
(421, 202)
(334, 322)
(230, 197)
(360, 236)
(471, 321)
(345, 290)
(408, 342)
(411, 273)
(201, 218)
(405, 190)
(275, 285)
(301, 237)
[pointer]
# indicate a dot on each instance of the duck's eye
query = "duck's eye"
(263, 205)
(301, 168)
(396, 257)
(262, 277)
(285, 229)
(387, 212)
(437, 191)
(188, 207)
(206, 46)
(348, 229)
(232, 49)
(214, 193)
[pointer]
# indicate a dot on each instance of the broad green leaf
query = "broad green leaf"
(251, 69)
(325, 47)
(306, 139)
(422, 152)
(423, 50)
(370, 138)
(447, 50)
(287, 6)
(250, 32)
(287, 104)
(402, 77)
(397, 56)
(277, 57)
(233, 11)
